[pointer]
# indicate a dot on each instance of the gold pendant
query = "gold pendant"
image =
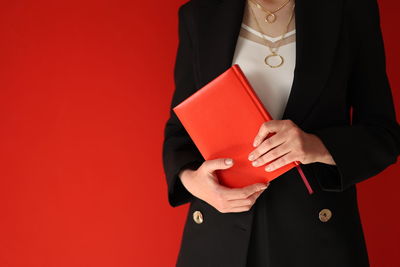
(274, 55)
(270, 18)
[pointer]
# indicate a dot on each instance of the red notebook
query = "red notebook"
(223, 118)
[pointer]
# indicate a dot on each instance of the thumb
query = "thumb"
(218, 164)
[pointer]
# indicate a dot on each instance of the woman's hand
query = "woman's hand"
(203, 184)
(288, 144)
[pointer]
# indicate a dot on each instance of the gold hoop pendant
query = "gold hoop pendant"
(270, 18)
(274, 55)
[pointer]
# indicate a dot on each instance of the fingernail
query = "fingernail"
(264, 187)
(228, 161)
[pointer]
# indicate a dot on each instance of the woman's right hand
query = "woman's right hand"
(203, 184)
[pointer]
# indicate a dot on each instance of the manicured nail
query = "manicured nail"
(228, 161)
(251, 157)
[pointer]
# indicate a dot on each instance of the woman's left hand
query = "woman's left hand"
(289, 143)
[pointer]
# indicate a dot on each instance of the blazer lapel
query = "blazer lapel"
(217, 26)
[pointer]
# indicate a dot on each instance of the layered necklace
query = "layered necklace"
(274, 50)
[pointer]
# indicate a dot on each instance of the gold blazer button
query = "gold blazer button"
(197, 217)
(325, 215)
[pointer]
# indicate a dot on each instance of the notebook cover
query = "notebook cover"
(222, 118)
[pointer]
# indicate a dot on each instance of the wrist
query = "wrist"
(323, 155)
(184, 172)
(327, 159)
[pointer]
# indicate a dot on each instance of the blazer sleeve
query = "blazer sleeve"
(179, 151)
(372, 142)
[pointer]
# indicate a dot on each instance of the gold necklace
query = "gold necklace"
(271, 17)
(273, 53)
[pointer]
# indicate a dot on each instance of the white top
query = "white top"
(272, 85)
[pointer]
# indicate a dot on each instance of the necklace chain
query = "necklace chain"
(273, 52)
(271, 17)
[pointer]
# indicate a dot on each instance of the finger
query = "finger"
(265, 129)
(240, 193)
(272, 154)
(244, 202)
(267, 145)
(218, 164)
(286, 159)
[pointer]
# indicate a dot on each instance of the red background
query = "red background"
(85, 88)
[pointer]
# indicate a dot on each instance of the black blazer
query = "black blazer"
(340, 92)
